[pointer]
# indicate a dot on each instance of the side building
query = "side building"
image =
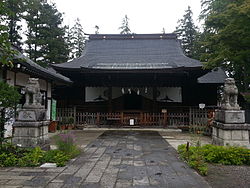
(18, 75)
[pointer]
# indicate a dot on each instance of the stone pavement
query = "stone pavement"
(115, 159)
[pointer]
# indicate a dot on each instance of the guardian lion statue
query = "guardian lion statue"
(230, 95)
(33, 96)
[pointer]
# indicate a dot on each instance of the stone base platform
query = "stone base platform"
(232, 137)
(26, 135)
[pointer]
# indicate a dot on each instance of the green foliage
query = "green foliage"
(14, 156)
(56, 156)
(32, 157)
(8, 160)
(226, 155)
(226, 38)
(9, 97)
(125, 26)
(197, 156)
(188, 34)
(194, 158)
(6, 53)
(13, 19)
(66, 143)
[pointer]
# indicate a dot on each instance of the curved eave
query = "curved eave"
(60, 68)
(44, 74)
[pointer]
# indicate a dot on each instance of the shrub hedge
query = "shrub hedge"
(198, 156)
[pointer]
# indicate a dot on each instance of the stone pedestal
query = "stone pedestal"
(229, 128)
(30, 133)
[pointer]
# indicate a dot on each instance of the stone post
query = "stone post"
(229, 127)
(31, 125)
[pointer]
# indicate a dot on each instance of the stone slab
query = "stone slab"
(48, 165)
(7, 177)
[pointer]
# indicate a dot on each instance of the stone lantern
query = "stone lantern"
(31, 125)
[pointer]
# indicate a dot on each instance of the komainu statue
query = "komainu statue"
(230, 95)
(33, 96)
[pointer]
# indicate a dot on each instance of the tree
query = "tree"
(77, 39)
(45, 35)
(187, 32)
(9, 97)
(52, 33)
(33, 8)
(13, 19)
(227, 38)
(97, 29)
(125, 26)
(6, 52)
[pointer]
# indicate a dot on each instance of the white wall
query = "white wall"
(173, 93)
(10, 77)
(92, 93)
(22, 79)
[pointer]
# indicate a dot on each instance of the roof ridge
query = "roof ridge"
(132, 36)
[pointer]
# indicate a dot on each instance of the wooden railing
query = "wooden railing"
(193, 117)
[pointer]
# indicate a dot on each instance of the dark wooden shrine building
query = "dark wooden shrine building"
(137, 72)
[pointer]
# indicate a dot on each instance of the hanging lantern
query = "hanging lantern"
(123, 91)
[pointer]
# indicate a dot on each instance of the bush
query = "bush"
(14, 156)
(197, 156)
(227, 155)
(56, 156)
(66, 143)
(32, 157)
(8, 160)
(9, 97)
(193, 156)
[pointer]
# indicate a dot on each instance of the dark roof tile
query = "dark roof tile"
(216, 76)
(122, 52)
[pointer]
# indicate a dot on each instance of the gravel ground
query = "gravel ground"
(222, 176)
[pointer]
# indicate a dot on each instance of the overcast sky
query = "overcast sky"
(145, 16)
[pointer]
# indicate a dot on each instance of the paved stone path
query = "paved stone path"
(115, 159)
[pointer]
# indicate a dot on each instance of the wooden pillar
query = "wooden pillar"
(122, 117)
(74, 115)
(154, 98)
(98, 118)
(165, 116)
(110, 100)
(141, 119)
